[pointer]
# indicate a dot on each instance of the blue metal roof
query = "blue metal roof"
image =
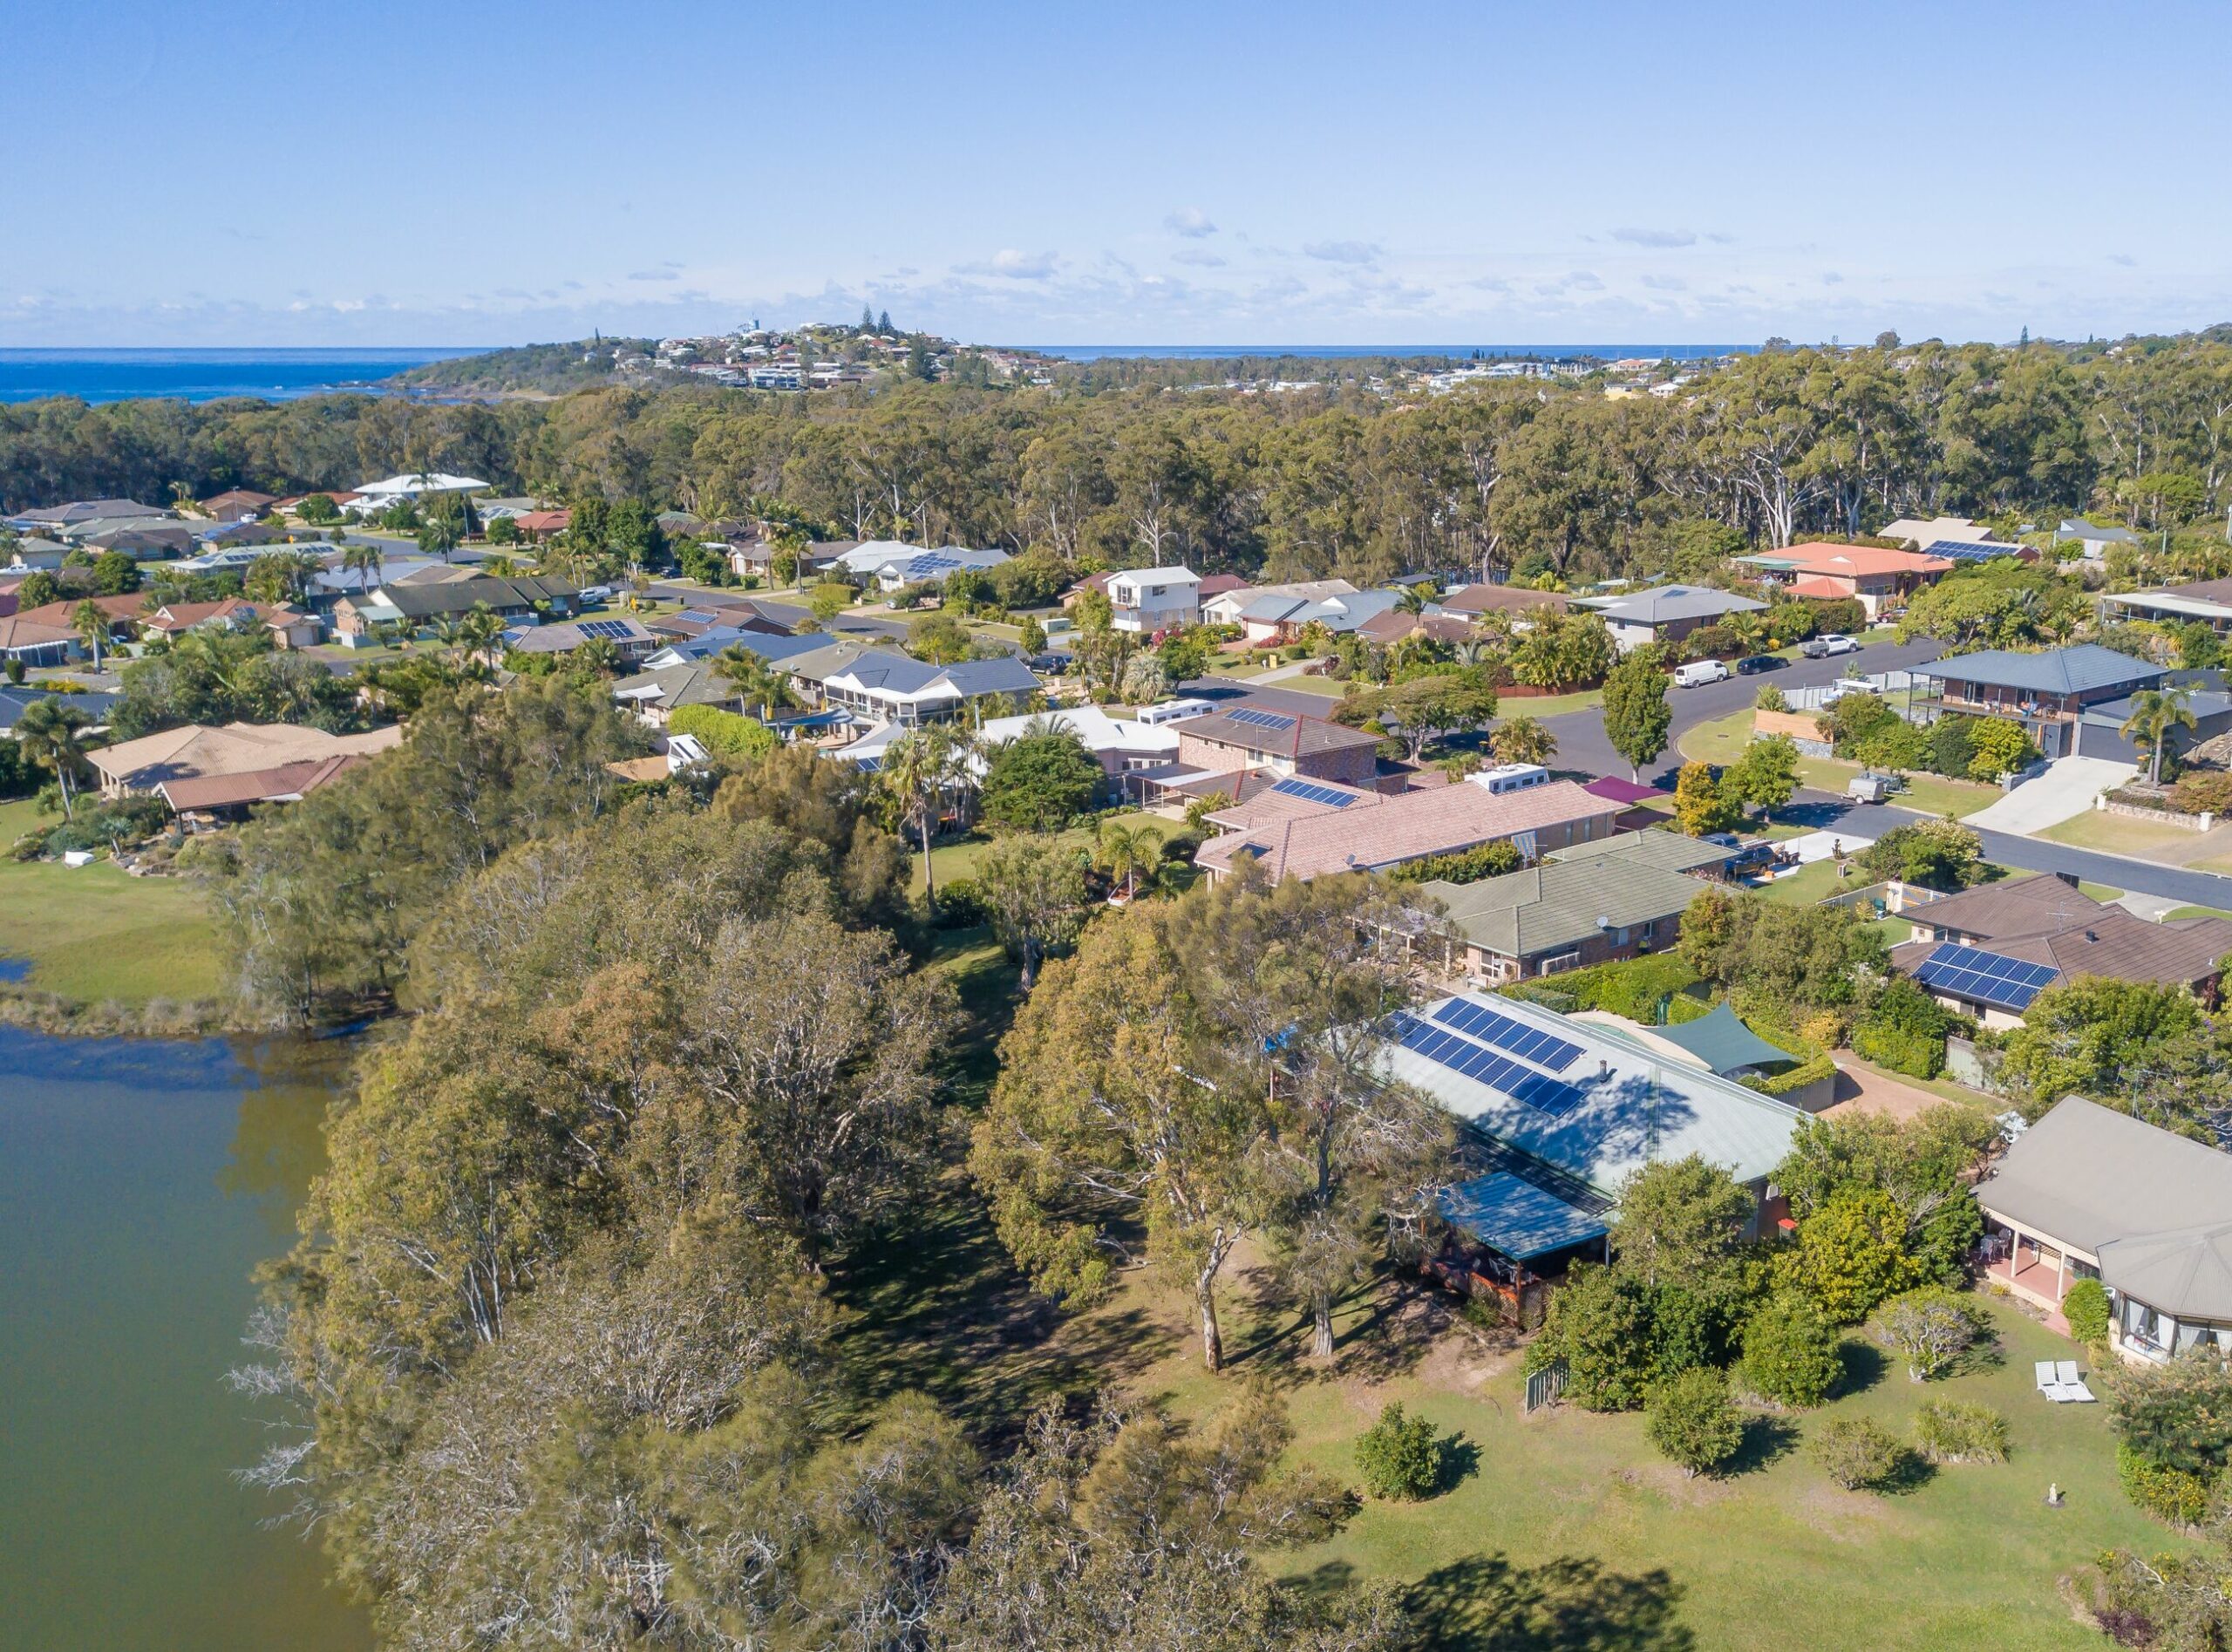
(2070, 670)
(1517, 1217)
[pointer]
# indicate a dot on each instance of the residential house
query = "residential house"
(46, 555)
(1989, 950)
(1558, 1114)
(656, 693)
(2049, 693)
(356, 616)
(1152, 600)
(35, 642)
(1301, 828)
(1275, 620)
(2198, 602)
(537, 525)
(1665, 613)
(288, 626)
(2089, 1193)
(1224, 606)
(50, 519)
(752, 557)
(1476, 601)
(1123, 747)
(250, 754)
(711, 613)
(373, 497)
(1881, 581)
(1920, 533)
(1396, 625)
(124, 612)
(1594, 903)
(883, 685)
(632, 640)
(932, 567)
(1225, 744)
(238, 505)
(2096, 540)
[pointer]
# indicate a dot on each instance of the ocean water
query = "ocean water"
(199, 375)
(1453, 352)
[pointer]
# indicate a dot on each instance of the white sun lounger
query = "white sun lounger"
(2073, 1387)
(2050, 1383)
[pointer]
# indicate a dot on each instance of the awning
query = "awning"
(1725, 1043)
(1517, 1217)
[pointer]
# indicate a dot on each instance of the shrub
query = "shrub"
(2177, 1414)
(1790, 1352)
(2086, 1307)
(1951, 1431)
(1601, 1325)
(1400, 1456)
(723, 733)
(1851, 1255)
(1931, 1328)
(1904, 1030)
(2202, 792)
(961, 905)
(2172, 1495)
(1689, 1418)
(1855, 1452)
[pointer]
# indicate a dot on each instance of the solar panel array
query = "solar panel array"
(1311, 793)
(1493, 1027)
(2010, 984)
(615, 630)
(1255, 719)
(699, 616)
(1484, 1066)
(1968, 550)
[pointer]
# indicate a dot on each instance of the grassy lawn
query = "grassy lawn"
(94, 933)
(2116, 834)
(1550, 704)
(2197, 911)
(1324, 685)
(1810, 884)
(1566, 1529)
(1723, 740)
(2102, 892)
(957, 857)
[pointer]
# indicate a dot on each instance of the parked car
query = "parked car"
(1049, 664)
(1753, 664)
(1698, 673)
(593, 595)
(1821, 648)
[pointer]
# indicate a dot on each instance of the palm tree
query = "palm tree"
(47, 734)
(1127, 851)
(362, 558)
(1522, 739)
(90, 621)
(478, 629)
(1412, 599)
(2155, 713)
(919, 769)
(750, 675)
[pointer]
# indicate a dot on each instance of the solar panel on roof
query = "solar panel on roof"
(1968, 550)
(1309, 793)
(1491, 1026)
(613, 628)
(1483, 1066)
(1257, 718)
(1987, 977)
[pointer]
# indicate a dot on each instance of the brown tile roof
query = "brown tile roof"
(120, 609)
(1394, 625)
(2075, 934)
(1374, 832)
(2040, 904)
(1294, 736)
(197, 751)
(256, 785)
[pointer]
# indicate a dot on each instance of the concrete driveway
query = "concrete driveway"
(2067, 788)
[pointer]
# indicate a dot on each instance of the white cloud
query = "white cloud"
(1011, 265)
(1832, 278)
(1192, 222)
(1200, 257)
(2125, 259)
(1341, 252)
(1657, 237)
(1666, 283)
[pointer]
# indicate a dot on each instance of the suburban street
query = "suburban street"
(1583, 749)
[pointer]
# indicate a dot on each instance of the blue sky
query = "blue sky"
(259, 173)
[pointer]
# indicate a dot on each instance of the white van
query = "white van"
(1173, 711)
(1698, 673)
(1510, 776)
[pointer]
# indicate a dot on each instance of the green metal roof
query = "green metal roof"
(1725, 1043)
(1517, 1217)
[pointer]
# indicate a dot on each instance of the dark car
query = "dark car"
(1753, 664)
(1049, 664)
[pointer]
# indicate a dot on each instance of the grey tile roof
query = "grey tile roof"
(2154, 1208)
(2078, 669)
(1664, 604)
(1554, 905)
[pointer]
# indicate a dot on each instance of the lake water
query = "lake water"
(141, 1183)
(199, 375)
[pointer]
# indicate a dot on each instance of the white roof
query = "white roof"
(417, 484)
(1637, 1107)
(1157, 578)
(1099, 731)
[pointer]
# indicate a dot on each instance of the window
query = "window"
(1563, 962)
(2141, 1323)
